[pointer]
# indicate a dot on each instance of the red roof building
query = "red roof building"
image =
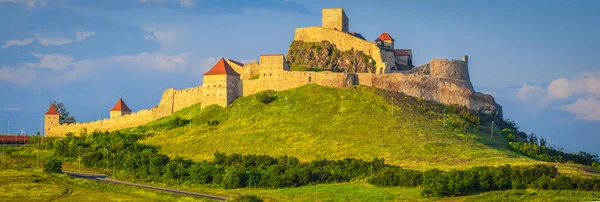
(400, 52)
(384, 37)
(222, 67)
(12, 139)
(120, 106)
(52, 110)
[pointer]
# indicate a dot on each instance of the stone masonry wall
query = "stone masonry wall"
(171, 101)
(343, 41)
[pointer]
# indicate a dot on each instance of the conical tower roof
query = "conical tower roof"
(120, 106)
(222, 67)
(52, 110)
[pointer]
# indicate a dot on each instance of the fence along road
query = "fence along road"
(102, 178)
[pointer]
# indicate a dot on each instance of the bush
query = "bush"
(265, 97)
(245, 198)
(54, 165)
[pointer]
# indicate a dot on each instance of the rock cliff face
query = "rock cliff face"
(315, 56)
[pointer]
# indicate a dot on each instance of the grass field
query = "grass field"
(25, 185)
(315, 122)
(362, 191)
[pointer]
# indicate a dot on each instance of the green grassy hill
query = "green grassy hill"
(313, 122)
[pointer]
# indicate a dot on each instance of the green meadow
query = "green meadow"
(315, 122)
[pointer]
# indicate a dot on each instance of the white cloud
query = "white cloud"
(182, 3)
(81, 35)
(20, 76)
(559, 89)
(29, 3)
(588, 83)
(165, 36)
(23, 42)
(584, 108)
(11, 109)
(204, 65)
(583, 92)
(165, 63)
(187, 3)
(48, 40)
(54, 61)
(66, 69)
(530, 92)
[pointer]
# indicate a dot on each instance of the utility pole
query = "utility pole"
(392, 106)
(444, 117)
(316, 197)
(342, 105)
(492, 131)
(38, 154)
(239, 116)
(79, 157)
(106, 162)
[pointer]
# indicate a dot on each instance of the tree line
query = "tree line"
(538, 147)
(121, 151)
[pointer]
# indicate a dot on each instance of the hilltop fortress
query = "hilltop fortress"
(442, 80)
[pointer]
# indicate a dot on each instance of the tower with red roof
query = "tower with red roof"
(221, 85)
(51, 120)
(119, 109)
(385, 41)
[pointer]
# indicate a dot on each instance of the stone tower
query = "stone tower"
(221, 85)
(119, 109)
(335, 18)
(51, 120)
(385, 41)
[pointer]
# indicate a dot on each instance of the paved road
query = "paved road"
(101, 177)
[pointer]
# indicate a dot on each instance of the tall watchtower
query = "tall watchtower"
(51, 120)
(221, 85)
(335, 18)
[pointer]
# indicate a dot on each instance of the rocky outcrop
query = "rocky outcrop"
(315, 56)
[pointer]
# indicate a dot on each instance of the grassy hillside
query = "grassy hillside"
(25, 185)
(313, 122)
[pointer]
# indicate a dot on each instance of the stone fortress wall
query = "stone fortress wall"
(442, 80)
(172, 100)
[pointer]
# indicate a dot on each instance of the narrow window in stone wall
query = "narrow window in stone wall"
(270, 74)
(309, 79)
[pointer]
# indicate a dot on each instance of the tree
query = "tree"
(533, 139)
(543, 142)
(53, 166)
(64, 115)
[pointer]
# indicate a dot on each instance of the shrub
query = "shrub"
(54, 165)
(265, 97)
(245, 198)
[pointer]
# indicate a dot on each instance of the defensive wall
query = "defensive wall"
(442, 80)
(172, 100)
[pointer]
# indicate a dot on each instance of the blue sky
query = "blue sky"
(536, 57)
